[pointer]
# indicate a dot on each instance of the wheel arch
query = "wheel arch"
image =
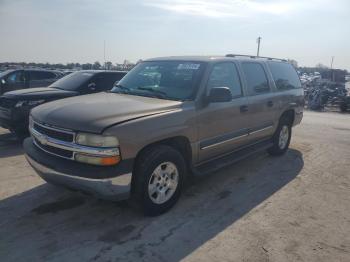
(179, 143)
(288, 114)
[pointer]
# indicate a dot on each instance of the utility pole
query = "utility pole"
(332, 74)
(332, 62)
(258, 41)
(104, 53)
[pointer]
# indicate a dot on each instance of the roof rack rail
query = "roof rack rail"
(256, 57)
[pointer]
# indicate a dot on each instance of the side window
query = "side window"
(40, 75)
(48, 75)
(34, 75)
(284, 75)
(16, 77)
(103, 82)
(225, 75)
(255, 76)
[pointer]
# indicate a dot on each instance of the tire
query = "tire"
(159, 179)
(343, 107)
(281, 138)
(21, 134)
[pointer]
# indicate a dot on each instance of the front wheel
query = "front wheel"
(160, 174)
(281, 138)
(343, 107)
(21, 134)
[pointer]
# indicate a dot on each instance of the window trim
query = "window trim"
(249, 92)
(238, 74)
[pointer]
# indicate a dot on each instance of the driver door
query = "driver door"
(222, 126)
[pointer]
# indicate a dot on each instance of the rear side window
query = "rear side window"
(284, 75)
(225, 75)
(105, 81)
(256, 79)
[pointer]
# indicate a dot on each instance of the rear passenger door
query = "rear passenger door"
(262, 108)
(222, 126)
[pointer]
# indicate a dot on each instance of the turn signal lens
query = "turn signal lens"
(109, 161)
(96, 160)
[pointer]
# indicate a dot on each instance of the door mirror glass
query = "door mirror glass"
(3, 81)
(219, 94)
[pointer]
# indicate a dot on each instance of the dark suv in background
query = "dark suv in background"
(26, 78)
(16, 105)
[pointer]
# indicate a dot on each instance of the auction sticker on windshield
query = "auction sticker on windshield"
(188, 66)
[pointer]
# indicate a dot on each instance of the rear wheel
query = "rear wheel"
(281, 138)
(159, 178)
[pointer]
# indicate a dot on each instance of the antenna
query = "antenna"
(258, 41)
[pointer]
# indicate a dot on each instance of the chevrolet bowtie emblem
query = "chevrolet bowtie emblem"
(42, 139)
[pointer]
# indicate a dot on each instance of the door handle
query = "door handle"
(243, 108)
(270, 104)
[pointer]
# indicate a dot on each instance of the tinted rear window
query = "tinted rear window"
(255, 76)
(285, 75)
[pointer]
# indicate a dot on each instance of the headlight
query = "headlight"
(29, 103)
(31, 122)
(96, 140)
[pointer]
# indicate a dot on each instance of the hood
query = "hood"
(93, 113)
(39, 93)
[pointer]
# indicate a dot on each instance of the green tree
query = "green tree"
(96, 65)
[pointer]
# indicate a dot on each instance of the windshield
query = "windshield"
(174, 80)
(5, 73)
(73, 81)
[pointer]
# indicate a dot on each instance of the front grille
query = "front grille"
(56, 134)
(7, 103)
(54, 150)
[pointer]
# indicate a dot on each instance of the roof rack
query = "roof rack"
(256, 57)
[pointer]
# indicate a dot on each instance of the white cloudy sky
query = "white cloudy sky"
(310, 31)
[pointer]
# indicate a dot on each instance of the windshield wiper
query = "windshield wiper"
(158, 92)
(122, 87)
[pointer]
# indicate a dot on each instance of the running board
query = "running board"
(230, 158)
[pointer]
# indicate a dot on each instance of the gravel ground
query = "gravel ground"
(290, 208)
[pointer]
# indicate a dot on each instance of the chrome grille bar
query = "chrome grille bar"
(45, 140)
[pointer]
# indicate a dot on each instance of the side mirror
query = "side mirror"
(92, 86)
(219, 94)
(116, 83)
